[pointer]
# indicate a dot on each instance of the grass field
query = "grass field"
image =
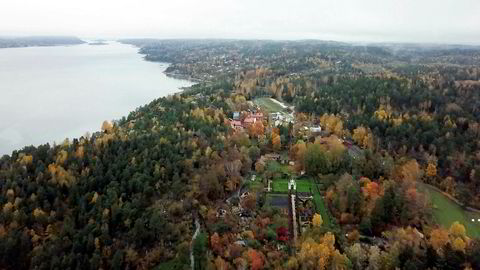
(446, 212)
(268, 105)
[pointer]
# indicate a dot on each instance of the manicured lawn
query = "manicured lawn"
(321, 208)
(268, 105)
(281, 185)
(446, 212)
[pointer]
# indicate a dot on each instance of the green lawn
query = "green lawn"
(268, 105)
(281, 185)
(321, 208)
(446, 212)
(274, 166)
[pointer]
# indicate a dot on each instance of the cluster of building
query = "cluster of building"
(280, 118)
(242, 120)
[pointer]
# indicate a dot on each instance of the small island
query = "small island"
(98, 43)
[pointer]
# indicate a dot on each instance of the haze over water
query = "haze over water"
(50, 93)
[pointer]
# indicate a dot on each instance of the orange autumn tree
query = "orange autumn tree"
(216, 243)
(276, 141)
(256, 259)
(257, 129)
(456, 236)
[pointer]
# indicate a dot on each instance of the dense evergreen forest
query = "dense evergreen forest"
(217, 158)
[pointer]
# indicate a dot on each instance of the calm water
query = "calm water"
(50, 93)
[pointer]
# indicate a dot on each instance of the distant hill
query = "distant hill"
(13, 42)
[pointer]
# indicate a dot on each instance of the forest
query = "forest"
(284, 155)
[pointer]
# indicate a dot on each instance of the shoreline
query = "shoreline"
(8, 145)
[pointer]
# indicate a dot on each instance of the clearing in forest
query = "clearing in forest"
(446, 211)
(268, 105)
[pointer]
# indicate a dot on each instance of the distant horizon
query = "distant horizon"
(352, 42)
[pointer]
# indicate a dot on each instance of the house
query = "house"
(249, 120)
(317, 129)
(277, 116)
(237, 125)
(258, 116)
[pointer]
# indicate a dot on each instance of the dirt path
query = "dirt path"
(294, 218)
(197, 231)
(279, 103)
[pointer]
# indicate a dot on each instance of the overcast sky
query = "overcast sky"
(435, 21)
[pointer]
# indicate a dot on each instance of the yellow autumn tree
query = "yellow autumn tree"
(317, 220)
(332, 123)
(459, 245)
(439, 238)
(107, 126)
(410, 171)
(26, 159)
(363, 137)
(457, 229)
(292, 264)
(38, 213)
(61, 157)
(431, 170)
(321, 254)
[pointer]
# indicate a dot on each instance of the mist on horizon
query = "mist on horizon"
(345, 20)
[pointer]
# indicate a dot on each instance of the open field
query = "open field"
(447, 211)
(268, 105)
